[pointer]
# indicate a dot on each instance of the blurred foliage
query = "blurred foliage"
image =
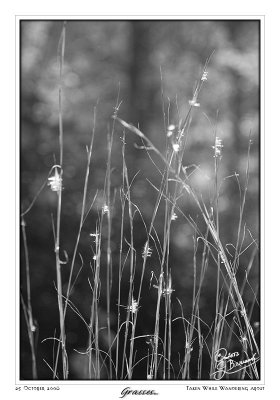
(151, 62)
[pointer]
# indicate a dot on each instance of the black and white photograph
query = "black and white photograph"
(140, 157)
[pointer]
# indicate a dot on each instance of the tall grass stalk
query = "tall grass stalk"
(120, 267)
(216, 341)
(108, 206)
(132, 306)
(82, 216)
(94, 318)
(61, 49)
(31, 328)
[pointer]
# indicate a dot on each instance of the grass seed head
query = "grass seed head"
(194, 103)
(174, 217)
(105, 209)
(218, 148)
(55, 182)
(147, 251)
(133, 308)
(176, 147)
(204, 76)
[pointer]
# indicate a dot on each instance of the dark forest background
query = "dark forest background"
(144, 58)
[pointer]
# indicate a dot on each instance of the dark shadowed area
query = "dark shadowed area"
(148, 69)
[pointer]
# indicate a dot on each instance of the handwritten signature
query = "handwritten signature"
(225, 363)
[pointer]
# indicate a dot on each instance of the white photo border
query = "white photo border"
(165, 388)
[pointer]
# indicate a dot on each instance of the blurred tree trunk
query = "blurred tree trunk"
(236, 99)
(142, 83)
(143, 89)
